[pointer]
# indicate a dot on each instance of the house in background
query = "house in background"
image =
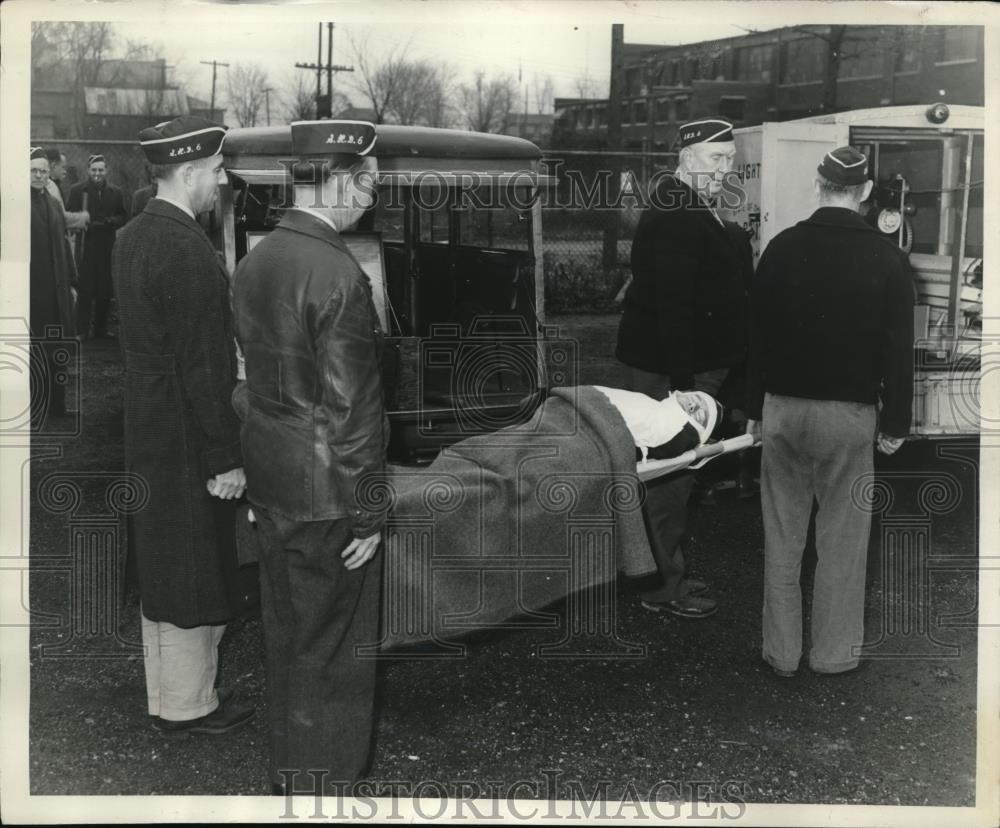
(111, 100)
(778, 75)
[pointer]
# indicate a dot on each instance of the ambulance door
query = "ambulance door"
(789, 155)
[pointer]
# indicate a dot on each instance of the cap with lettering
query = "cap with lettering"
(845, 166)
(185, 138)
(703, 131)
(332, 137)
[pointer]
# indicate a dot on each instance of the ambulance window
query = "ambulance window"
(389, 214)
(432, 222)
(920, 164)
(495, 219)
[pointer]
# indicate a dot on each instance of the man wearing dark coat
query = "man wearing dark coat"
(51, 294)
(106, 205)
(683, 327)
(181, 433)
(315, 430)
(831, 338)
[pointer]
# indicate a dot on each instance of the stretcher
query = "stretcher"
(693, 459)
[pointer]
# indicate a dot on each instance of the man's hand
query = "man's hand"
(887, 444)
(228, 485)
(86, 216)
(360, 551)
(755, 430)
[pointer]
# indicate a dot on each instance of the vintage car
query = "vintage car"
(452, 249)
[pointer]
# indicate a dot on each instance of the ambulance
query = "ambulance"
(927, 164)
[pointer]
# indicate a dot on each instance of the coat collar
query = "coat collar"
(838, 217)
(300, 221)
(694, 204)
(158, 207)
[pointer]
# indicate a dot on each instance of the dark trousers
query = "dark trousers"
(665, 508)
(94, 293)
(315, 613)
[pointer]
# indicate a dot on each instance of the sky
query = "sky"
(565, 51)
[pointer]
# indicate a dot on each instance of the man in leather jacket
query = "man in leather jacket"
(314, 435)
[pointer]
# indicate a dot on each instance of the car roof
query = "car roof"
(405, 154)
(392, 141)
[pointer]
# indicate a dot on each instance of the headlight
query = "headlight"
(889, 221)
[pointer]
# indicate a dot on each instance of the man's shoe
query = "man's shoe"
(692, 586)
(224, 719)
(856, 669)
(684, 607)
(777, 671)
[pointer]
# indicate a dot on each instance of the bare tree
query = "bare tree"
(83, 48)
(488, 104)
(586, 86)
(542, 92)
(298, 99)
(246, 84)
(421, 94)
(380, 83)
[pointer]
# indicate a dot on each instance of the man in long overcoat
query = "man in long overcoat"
(106, 205)
(181, 433)
(51, 302)
(683, 327)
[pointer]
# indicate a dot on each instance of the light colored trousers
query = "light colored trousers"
(815, 449)
(180, 669)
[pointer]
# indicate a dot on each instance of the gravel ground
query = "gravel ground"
(693, 706)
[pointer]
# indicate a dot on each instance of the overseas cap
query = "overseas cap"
(94, 158)
(845, 166)
(38, 152)
(185, 138)
(332, 137)
(707, 129)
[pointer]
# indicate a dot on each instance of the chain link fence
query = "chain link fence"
(588, 223)
(125, 161)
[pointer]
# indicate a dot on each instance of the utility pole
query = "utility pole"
(324, 108)
(213, 64)
(611, 220)
(267, 102)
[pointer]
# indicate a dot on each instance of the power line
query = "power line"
(213, 64)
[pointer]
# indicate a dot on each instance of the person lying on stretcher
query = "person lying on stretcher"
(666, 428)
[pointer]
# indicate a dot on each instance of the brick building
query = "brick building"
(778, 75)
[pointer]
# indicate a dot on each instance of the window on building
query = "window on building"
(601, 115)
(802, 60)
(633, 80)
(682, 109)
(585, 117)
(657, 74)
(626, 110)
(908, 50)
(693, 69)
(638, 112)
(959, 43)
(860, 57)
(732, 108)
(675, 72)
(753, 63)
(715, 68)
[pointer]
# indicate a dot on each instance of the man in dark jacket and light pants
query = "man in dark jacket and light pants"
(683, 327)
(314, 436)
(831, 336)
(181, 433)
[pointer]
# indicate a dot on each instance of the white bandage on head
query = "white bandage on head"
(702, 411)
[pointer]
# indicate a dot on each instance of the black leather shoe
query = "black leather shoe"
(685, 607)
(692, 586)
(224, 719)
